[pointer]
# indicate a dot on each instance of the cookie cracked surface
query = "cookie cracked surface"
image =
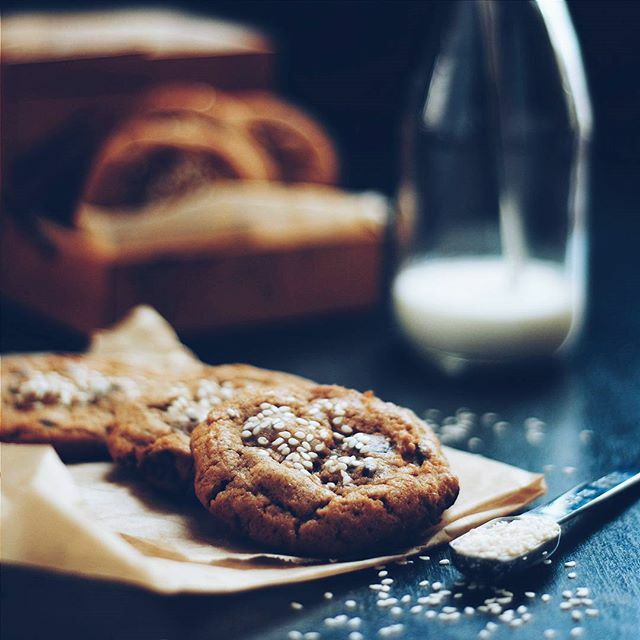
(152, 432)
(321, 472)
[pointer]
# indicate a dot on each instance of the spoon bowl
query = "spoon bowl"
(486, 568)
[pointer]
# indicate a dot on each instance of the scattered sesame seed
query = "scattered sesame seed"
(387, 581)
(296, 605)
(549, 634)
(295, 635)
(350, 604)
(582, 592)
(586, 435)
(530, 594)
(469, 611)
(312, 635)
(328, 595)
(436, 586)
(570, 563)
(391, 630)
(423, 583)
(572, 575)
(547, 561)
(565, 606)
(396, 611)
(383, 574)
(356, 635)
(475, 444)
(567, 594)
(430, 614)
(576, 615)
(444, 562)
(592, 613)
(568, 470)
(405, 598)
(417, 608)
(484, 634)
(521, 609)
(576, 632)
(426, 558)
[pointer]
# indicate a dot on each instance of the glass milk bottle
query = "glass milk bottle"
(491, 208)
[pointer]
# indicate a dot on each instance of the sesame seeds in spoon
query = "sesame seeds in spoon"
(507, 545)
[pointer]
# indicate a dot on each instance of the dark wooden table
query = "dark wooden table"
(598, 390)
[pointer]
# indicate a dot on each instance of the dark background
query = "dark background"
(351, 63)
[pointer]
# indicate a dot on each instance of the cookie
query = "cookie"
(152, 432)
(321, 472)
(63, 400)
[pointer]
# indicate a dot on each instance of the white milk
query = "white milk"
(475, 309)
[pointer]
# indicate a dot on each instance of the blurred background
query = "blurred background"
(349, 66)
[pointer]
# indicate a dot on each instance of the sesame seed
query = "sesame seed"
(565, 606)
(582, 592)
(547, 561)
(576, 632)
(570, 563)
(530, 594)
(296, 605)
(430, 614)
(416, 608)
(350, 604)
(444, 562)
(396, 611)
(423, 583)
(391, 630)
(572, 575)
(354, 623)
(436, 586)
(592, 613)
(295, 635)
(328, 595)
(521, 609)
(567, 594)
(383, 573)
(356, 635)
(549, 634)
(387, 581)
(484, 634)
(469, 611)
(312, 635)
(576, 615)
(426, 558)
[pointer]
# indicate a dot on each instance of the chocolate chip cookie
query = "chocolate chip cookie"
(152, 432)
(321, 472)
(63, 400)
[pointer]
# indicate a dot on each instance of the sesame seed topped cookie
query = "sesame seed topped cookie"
(63, 400)
(152, 432)
(322, 471)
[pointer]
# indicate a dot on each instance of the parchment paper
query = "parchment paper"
(95, 520)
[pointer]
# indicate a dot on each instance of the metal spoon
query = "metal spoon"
(559, 510)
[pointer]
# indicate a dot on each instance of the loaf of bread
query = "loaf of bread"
(184, 137)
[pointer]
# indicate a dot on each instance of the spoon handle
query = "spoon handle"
(587, 494)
